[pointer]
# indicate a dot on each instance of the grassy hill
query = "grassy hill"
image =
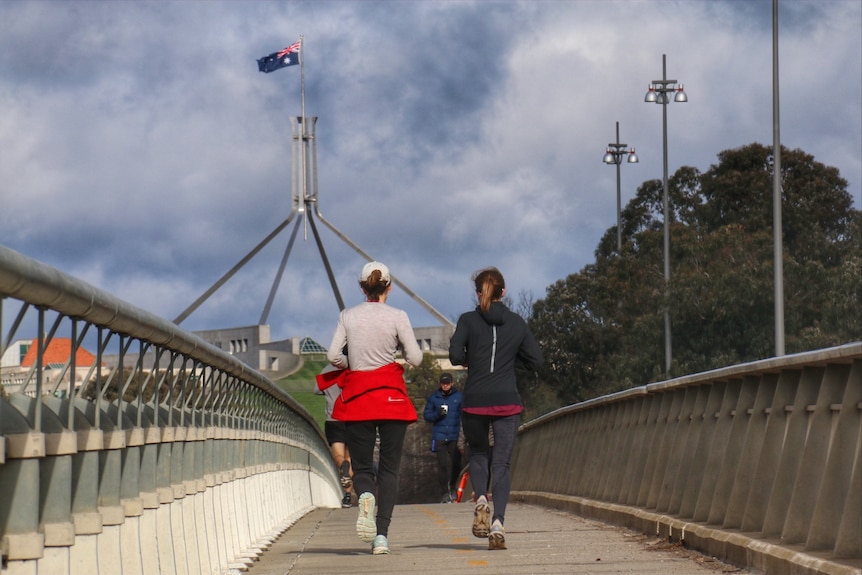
(300, 385)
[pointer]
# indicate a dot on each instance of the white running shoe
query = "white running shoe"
(366, 524)
(380, 545)
(481, 518)
(497, 537)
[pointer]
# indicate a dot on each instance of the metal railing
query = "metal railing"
(177, 459)
(759, 464)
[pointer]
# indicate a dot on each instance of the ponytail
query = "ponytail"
(374, 286)
(489, 286)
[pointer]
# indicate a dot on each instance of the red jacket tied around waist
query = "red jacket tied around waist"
(370, 395)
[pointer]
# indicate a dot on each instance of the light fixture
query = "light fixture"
(651, 95)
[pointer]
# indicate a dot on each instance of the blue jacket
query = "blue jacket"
(446, 427)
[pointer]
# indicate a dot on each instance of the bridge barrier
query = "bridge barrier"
(758, 464)
(179, 460)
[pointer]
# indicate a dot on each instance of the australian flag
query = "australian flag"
(277, 60)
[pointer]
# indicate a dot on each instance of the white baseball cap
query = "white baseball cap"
(370, 267)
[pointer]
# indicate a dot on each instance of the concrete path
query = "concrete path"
(436, 539)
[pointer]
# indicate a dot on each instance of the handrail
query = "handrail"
(41, 285)
(171, 456)
(824, 356)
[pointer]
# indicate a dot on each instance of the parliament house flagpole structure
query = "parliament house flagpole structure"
(304, 192)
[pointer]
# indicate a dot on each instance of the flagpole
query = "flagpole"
(303, 157)
(302, 77)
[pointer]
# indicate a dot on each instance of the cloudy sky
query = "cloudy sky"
(142, 151)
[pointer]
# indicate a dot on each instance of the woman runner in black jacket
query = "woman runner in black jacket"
(489, 341)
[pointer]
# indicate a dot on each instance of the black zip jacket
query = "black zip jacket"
(489, 345)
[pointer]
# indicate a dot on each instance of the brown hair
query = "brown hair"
(489, 286)
(374, 286)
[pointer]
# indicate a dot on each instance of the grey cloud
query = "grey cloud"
(141, 149)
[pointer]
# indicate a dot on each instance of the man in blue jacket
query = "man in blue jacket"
(443, 409)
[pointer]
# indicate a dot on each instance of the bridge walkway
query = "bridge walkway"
(436, 538)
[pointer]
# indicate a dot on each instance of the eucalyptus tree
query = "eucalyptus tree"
(601, 327)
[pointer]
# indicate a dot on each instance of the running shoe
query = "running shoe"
(380, 546)
(366, 525)
(346, 501)
(481, 518)
(497, 537)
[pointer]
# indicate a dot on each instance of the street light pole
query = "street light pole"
(657, 94)
(777, 239)
(614, 155)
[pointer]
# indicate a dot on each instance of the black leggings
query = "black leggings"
(476, 434)
(361, 437)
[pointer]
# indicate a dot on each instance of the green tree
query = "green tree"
(602, 328)
(422, 380)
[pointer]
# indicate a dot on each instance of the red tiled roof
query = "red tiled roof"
(58, 351)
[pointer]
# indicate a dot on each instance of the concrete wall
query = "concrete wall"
(758, 464)
(103, 498)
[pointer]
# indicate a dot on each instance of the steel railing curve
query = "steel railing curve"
(167, 456)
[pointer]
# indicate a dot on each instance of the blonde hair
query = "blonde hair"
(489, 286)
(374, 286)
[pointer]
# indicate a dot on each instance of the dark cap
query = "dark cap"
(446, 378)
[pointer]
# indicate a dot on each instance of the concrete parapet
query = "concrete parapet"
(204, 530)
(760, 464)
